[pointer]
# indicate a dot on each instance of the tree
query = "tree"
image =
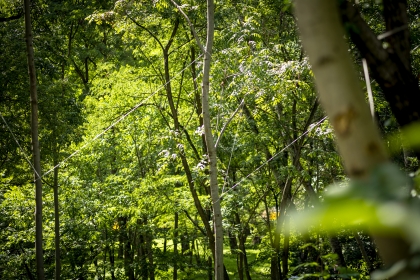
(212, 156)
(357, 136)
(35, 143)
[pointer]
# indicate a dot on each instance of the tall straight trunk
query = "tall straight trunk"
(214, 188)
(285, 253)
(243, 256)
(356, 135)
(112, 259)
(105, 252)
(122, 221)
(56, 224)
(35, 143)
(128, 260)
(240, 264)
(175, 275)
(151, 266)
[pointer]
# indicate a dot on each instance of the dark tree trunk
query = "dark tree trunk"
(112, 260)
(243, 259)
(363, 251)
(275, 273)
(175, 241)
(232, 242)
(56, 225)
(210, 268)
(128, 260)
(336, 248)
(285, 253)
(121, 237)
(389, 67)
(35, 143)
(151, 266)
(28, 271)
(240, 264)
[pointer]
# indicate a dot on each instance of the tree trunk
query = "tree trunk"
(175, 260)
(185, 164)
(336, 248)
(232, 242)
(112, 260)
(105, 252)
(243, 259)
(151, 265)
(285, 253)
(363, 251)
(56, 225)
(357, 137)
(212, 157)
(129, 271)
(35, 143)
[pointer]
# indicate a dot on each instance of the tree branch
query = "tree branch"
(387, 66)
(147, 30)
(228, 121)
(200, 45)
(17, 16)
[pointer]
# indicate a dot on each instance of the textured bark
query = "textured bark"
(35, 142)
(390, 67)
(357, 137)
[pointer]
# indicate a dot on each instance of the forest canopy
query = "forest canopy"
(174, 139)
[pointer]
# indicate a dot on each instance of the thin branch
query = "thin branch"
(171, 39)
(392, 32)
(147, 30)
(17, 16)
(191, 26)
(368, 88)
(194, 223)
(228, 121)
(187, 135)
